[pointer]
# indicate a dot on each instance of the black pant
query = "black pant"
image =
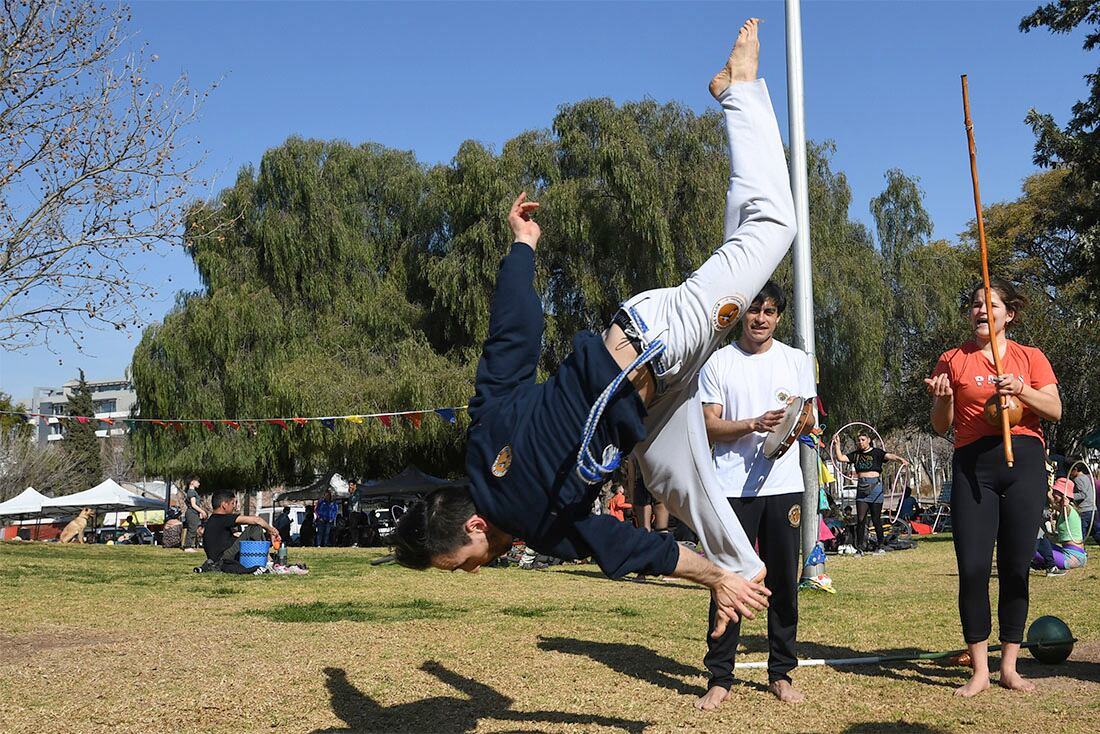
(772, 522)
(990, 502)
(861, 523)
(230, 561)
(191, 524)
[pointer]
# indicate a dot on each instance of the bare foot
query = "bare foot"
(743, 61)
(1013, 681)
(785, 692)
(712, 699)
(977, 683)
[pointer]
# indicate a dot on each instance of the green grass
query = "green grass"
(319, 612)
(128, 639)
(526, 611)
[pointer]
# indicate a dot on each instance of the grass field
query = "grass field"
(127, 639)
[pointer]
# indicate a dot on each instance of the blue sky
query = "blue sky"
(881, 80)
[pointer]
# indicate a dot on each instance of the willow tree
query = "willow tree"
(304, 313)
(902, 225)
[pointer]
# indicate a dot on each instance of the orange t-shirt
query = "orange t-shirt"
(616, 506)
(971, 374)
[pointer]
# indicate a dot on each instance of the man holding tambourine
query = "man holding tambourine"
(757, 398)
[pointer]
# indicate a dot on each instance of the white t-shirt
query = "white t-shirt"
(746, 386)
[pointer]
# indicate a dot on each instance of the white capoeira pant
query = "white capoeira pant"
(694, 318)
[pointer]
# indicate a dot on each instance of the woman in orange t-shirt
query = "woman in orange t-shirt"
(989, 501)
(618, 503)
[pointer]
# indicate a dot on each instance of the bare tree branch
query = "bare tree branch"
(91, 169)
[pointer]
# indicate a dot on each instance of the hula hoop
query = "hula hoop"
(836, 440)
(903, 469)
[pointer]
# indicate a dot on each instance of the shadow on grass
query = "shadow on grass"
(1084, 670)
(647, 581)
(634, 661)
(361, 713)
(319, 611)
(894, 727)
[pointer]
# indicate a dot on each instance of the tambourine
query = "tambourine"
(798, 418)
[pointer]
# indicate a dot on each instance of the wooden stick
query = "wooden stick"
(1006, 429)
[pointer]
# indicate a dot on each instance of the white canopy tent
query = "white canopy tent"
(27, 503)
(107, 496)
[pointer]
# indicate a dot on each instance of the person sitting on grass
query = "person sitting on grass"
(1068, 549)
(223, 548)
(172, 534)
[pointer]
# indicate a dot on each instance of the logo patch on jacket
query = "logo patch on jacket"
(794, 515)
(503, 462)
(725, 313)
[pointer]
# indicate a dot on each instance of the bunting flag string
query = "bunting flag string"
(414, 417)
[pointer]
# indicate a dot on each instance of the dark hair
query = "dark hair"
(286, 510)
(433, 527)
(868, 435)
(1013, 300)
(220, 496)
(771, 290)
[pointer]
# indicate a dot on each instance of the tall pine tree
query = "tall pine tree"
(80, 442)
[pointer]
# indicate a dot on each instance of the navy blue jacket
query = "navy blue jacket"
(539, 498)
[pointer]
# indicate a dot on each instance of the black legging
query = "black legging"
(990, 502)
(861, 522)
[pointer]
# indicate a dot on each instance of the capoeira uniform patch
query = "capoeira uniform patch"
(503, 462)
(726, 312)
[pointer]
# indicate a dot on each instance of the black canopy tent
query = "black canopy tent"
(409, 481)
(312, 492)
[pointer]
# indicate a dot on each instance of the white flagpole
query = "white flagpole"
(803, 274)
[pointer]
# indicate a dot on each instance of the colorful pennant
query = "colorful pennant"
(414, 417)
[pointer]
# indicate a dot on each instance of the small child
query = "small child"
(1068, 550)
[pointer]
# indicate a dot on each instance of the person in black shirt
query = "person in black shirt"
(222, 546)
(283, 524)
(867, 459)
(193, 516)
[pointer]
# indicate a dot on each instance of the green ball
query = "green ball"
(1050, 638)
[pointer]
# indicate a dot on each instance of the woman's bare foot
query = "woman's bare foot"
(712, 699)
(1010, 679)
(1013, 681)
(977, 683)
(743, 61)
(785, 692)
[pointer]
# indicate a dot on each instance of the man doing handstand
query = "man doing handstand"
(531, 472)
